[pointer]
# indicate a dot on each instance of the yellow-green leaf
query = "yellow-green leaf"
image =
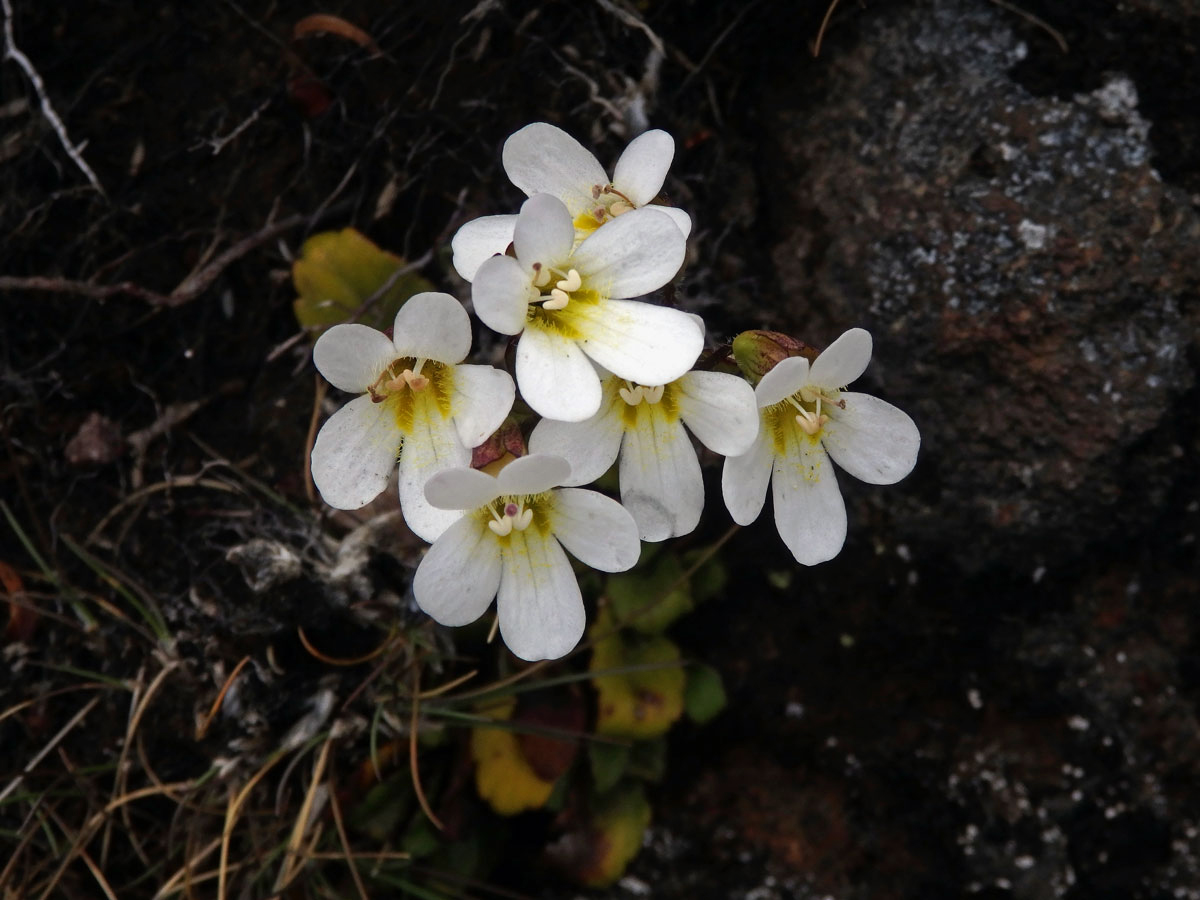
(596, 854)
(503, 776)
(338, 271)
(637, 704)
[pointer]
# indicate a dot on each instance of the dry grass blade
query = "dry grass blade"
(202, 728)
(293, 859)
(232, 811)
(824, 24)
(336, 809)
(334, 661)
(50, 745)
(120, 783)
(413, 764)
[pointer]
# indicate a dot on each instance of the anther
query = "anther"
(501, 527)
(571, 283)
(558, 300)
(620, 208)
(541, 275)
(632, 395)
(652, 394)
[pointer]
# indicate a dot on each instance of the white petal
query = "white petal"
(661, 484)
(744, 479)
(543, 159)
(720, 410)
(843, 360)
(632, 255)
(545, 233)
(638, 341)
(596, 530)
(642, 168)
(681, 219)
(483, 396)
(871, 439)
(479, 240)
(459, 576)
(788, 376)
(355, 454)
(432, 326)
(431, 446)
(352, 357)
(555, 377)
(541, 609)
(533, 474)
(500, 294)
(809, 512)
(590, 446)
(461, 488)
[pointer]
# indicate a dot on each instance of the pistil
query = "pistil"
(515, 518)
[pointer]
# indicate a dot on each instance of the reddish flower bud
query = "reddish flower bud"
(758, 352)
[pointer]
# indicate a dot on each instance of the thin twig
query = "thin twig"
(187, 291)
(14, 53)
(1034, 20)
(413, 770)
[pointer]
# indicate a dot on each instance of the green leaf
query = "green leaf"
(338, 271)
(420, 838)
(704, 695)
(643, 597)
(609, 762)
(648, 759)
(710, 579)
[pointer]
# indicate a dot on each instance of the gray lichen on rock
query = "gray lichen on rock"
(1025, 270)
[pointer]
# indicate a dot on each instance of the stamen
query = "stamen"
(620, 208)
(541, 275)
(600, 214)
(558, 300)
(652, 394)
(571, 283)
(632, 395)
(597, 190)
(522, 521)
(501, 527)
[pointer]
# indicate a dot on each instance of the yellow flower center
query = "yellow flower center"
(807, 409)
(513, 514)
(608, 203)
(410, 384)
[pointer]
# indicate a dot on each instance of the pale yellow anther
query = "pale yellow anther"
(541, 275)
(414, 381)
(620, 208)
(558, 300)
(572, 282)
(515, 518)
(632, 395)
(652, 394)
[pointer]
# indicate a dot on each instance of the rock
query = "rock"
(1024, 270)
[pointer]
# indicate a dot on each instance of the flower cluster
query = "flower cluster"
(614, 378)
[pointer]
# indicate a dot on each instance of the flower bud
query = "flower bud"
(505, 445)
(758, 352)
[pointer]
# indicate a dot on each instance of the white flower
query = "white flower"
(806, 418)
(543, 159)
(660, 477)
(570, 305)
(417, 404)
(509, 545)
